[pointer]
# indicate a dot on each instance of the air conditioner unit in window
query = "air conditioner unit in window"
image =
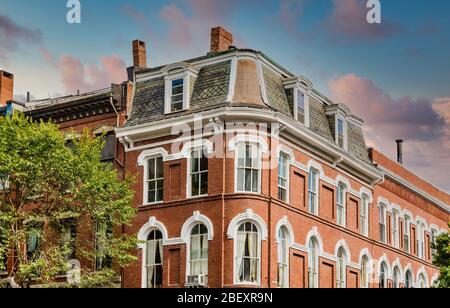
(197, 281)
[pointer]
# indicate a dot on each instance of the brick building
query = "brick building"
(250, 177)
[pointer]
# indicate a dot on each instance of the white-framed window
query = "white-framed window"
(422, 282)
(433, 241)
(396, 278)
(341, 269)
(341, 132)
(408, 280)
(198, 173)
(248, 258)
(382, 223)
(248, 175)
(301, 106)
(178, 80)
(313, 188)
(283, 177)
(154, 180)
(364, 215)
(283, 258)
(198, 251)
(406, 234)
(395, 227)
(154, 260)
(313, 264)
(421, 240)
(364, 283)
(341, 204)
(383, 278)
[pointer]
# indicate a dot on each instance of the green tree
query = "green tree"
(53, 198)
(442, 259)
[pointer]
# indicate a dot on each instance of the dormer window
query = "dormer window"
(297, 90)
(179, 79)
(340, 136)
(300, 106)
(177, 94)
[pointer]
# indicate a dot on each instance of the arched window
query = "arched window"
(396, 277)
(341, 268)
(198, 251)
(364, 272)
(408, 280)
(422, 282)
(154, 260)
(283, 258)
(247, 254)
(383, 278)
(313, 263)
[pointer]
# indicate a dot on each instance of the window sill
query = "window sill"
(197, 197)
(153, 204)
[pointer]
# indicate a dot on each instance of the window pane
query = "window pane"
(195, 184)
(151, 169)
(203, 163)
(160, 167)
(177, 82)
(204, 183)
(240, 179)
(255, 180)
(248, 180)
(108, 149)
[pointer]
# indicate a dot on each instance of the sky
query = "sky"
(394, 75)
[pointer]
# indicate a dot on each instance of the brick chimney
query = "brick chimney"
(139, 54)
(6, 87)
(221, 39)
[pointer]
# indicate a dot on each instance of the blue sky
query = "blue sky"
(402, 63)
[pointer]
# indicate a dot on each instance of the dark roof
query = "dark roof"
(210, 90)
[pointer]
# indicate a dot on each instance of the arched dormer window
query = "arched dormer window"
(297, 90)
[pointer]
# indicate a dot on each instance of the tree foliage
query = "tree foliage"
(47, 188)
(442, 259)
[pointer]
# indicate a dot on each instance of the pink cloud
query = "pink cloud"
(13, 34)
(77, 76)
(423, 124)
(348, 19)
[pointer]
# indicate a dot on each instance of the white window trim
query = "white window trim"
(206, 152)
(300, 84)
(287, 252)
(248, 216)
(344, 204)
(174, 72)
(316, 196)
(396, 230)
(383, 205)
(315, 240)
(306, 102)
(365, 205)
(143, 162)
(288, 175)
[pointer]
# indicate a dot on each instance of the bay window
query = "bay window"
(247, 254)
(248, 168)
(198, 252)
(154, 260)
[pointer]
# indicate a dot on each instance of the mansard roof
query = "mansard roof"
(211, 90)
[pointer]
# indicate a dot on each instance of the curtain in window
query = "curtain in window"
(253, 253)
(240, 246)
(204, 253)
(151, 258)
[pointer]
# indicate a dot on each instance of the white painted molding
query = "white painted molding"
(249, 216)
(232, 144)
(343, 244)
(192, 221)
(151, 225)
(388, 265)
(314, 233)
(147, 154)
(284, 222)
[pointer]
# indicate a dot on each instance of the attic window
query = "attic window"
(340, 136)
(177, 94)
(297, 92)
(300, 106)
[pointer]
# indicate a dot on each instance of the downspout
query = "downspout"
(269, 235)
(224, 165)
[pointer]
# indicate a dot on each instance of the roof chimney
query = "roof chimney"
(6, 87)
(221, 39)
(399, 151)
(139, 54)
(28, 97)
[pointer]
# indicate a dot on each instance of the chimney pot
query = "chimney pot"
(139, 54)
(28, 97)
(6, 87)
(399, 151)
(221, 39)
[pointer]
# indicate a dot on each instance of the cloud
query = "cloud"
(78, 76)
(348, 22)
(424, 124)
(12, 35)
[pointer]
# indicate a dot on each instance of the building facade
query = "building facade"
(247, 176)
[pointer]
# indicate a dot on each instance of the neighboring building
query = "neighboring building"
(249, 177)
